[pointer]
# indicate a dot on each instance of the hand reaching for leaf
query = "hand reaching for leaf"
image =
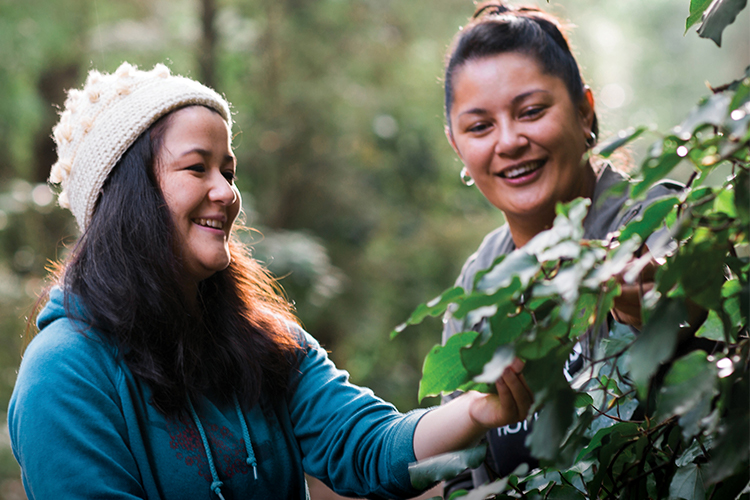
(464, 420)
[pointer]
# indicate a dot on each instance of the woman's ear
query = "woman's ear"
(451, 140)
(586, 109)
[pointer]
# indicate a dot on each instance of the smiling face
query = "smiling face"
(195, 170)
(521, 138)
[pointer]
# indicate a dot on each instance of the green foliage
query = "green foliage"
(664, 413)
(717, 16)
(434, 469)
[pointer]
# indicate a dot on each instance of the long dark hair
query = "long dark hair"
(125, 273)
(497, 28)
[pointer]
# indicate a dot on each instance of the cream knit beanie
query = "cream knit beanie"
(101, 121)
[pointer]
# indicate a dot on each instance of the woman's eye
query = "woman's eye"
(229, 176)
(197, 168)
(479, 127)
(532, 112)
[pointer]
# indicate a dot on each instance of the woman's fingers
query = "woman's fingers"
(518, 392)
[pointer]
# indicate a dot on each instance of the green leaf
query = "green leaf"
(487, 490)
(654, 170)
(652, 218)
(705, 262)
(545, 376)
(724, 202)
(719, 15)
(518, 263)
(657, 341)
(691, 380)
(564, 492)
(617, 430)
(443, 370)
(741, 93)
(494, 368)
(427, 472)
(712, 328)
(435, 307)
(712, 110)
(694, 451)
(503, 330)
(687, 483)
(480, 300)
(583, 400)
(584, 316)
(542, 340)
(551, 426)
(696, 12)
(742, 195)
(623, 137)
(732, 447)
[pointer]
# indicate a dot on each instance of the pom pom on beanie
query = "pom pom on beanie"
(102, 120)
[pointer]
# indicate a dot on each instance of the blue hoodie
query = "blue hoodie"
(81, 427)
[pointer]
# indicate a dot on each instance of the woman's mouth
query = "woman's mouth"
(212, 223)
(522, 170)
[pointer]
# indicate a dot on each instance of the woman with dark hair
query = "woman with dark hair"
(523, 123)
(167, 365)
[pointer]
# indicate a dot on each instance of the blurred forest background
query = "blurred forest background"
(343, 165)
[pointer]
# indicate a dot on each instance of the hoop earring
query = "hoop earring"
(591, 140)
(465, 177)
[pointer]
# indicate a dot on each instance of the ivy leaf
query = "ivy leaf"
(719, 15)
(657, 341)
(623, 137)
(443, 370)
(697, 7)
(687, 483)
(446, 466)
(691, 380)
(435, 307)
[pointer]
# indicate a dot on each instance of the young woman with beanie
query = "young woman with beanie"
(523, 123)
(167, 365)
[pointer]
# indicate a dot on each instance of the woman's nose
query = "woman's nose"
(222, 190)
(510, 141)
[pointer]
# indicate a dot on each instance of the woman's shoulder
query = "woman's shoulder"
(66, 347)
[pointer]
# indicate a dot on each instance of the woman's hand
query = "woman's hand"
(509, 405)
(627, 307)
(464, 420)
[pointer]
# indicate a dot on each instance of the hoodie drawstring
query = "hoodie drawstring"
(246, 438)
(217, 484)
